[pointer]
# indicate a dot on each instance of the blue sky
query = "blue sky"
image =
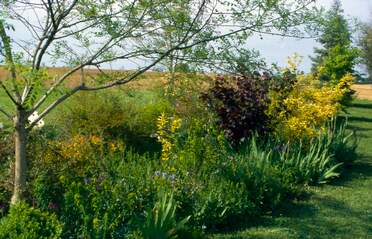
(277, 49)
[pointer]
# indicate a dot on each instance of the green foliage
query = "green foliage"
(28, 222)
(130, 117)
(161, 221)
(106, 201)
(220, 186)
(310, 166)
(98, 192)
(343, 144)
(338, 62)
(365, 43)
(338, 56)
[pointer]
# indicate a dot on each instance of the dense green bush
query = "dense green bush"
(220, 186)
(123, 115)
(28, 222)
(105, 202)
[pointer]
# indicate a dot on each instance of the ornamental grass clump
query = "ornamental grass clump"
(315, 165)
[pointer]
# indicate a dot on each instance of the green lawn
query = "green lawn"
(340, 210)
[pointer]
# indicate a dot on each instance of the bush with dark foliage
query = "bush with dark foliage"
(241, 104)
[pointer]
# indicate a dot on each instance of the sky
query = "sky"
(277, 49)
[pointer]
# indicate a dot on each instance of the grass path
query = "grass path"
(340, 210)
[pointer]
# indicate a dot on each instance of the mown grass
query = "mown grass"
(340, 210)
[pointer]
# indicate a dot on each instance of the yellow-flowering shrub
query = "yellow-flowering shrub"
(79, 151)
(309, 105)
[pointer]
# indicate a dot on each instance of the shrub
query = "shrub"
(115, 115)
(241, 104)
(304, 112)
(105, 201)
(220, 186)
(27, 222)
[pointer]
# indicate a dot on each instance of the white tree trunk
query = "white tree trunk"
(20, 169)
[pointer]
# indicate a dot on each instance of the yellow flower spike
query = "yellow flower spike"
(176, 124)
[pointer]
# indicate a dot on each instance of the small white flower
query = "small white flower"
(32, 118)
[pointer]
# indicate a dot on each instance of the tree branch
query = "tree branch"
(6, 114)
(9, 60)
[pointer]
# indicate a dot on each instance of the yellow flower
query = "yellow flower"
(176, 124)
(307, 108)
(96, 140)
(113, 147)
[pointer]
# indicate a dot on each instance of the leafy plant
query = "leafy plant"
(343, 144)
(241, 104)
(337, 57)
(161, 221)
(28, 222)
(315, 165)
(303, 112)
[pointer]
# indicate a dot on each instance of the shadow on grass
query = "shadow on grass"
(357, 128)
(352, 119)
(361, 105)
(316, 216)
(361, 168)
(324, 217)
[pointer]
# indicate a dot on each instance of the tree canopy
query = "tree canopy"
(337, 56)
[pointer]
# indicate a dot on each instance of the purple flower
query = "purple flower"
(172, 177)
(52, 206)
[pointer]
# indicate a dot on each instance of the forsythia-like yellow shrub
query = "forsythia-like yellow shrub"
(80, 149)
(304, 112)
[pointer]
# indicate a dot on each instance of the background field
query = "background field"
(363, 91)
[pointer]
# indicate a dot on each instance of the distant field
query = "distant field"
(75, 78)
(153, 79)
(363, 91)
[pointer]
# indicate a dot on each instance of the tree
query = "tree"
(365, 43)
(337, 57)
(174, 30)
(92, 34)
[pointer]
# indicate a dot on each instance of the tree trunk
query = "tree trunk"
(20, 170)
